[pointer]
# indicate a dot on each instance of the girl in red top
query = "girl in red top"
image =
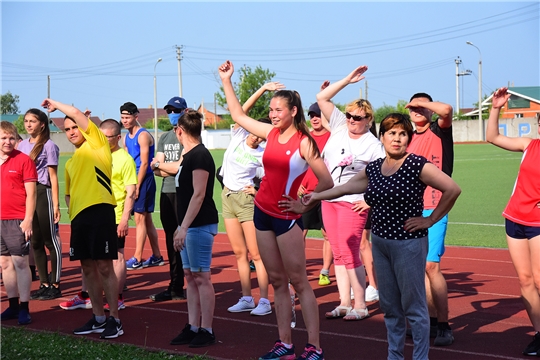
(522, 215)
(289, 151)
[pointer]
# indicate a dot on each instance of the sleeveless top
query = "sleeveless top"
(284, 170)
(134, 150)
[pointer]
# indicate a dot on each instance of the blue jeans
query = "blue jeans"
(401, 268)
(197, 252)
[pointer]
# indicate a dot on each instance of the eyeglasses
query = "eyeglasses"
(111, 136)
(356, 117)
(174, 110)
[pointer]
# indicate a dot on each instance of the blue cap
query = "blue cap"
(314, 108)
(176, 102)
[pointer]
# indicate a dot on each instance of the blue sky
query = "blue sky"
(100, 55)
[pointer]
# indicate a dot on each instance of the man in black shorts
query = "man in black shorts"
(90, 201)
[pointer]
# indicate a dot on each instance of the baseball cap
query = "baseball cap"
(314, 108)
(176, 102)
(129, 108)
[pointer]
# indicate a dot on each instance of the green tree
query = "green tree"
(19, 124)
(9, 103)
(381, 112)
(163, 124)
(250, 81)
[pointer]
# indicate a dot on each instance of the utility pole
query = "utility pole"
(458, 74)
(49, 94)
(366, 90)
(179, 58)
(215, 112)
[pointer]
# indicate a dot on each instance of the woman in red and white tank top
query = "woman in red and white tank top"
(289, 151)
(522, 214)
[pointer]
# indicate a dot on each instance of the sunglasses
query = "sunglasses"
(356, 117)
(174, 110)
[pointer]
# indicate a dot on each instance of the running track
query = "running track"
(486, 313)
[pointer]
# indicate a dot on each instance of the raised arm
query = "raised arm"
(226, 71)
(443, 111)
(500, 97)
(432, 176)
(80, 119)
(325, 96)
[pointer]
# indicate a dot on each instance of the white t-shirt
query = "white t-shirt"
(240, 162)
(345, 157)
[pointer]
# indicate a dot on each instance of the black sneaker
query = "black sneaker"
(168, 295)
(51, 293)
(113, 329)
(40, 292)
(92, 326)
(185, 337)
(534, 347)
(444, 338)
(203, 338)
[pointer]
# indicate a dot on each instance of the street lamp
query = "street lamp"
(155, 105)
(480, 121)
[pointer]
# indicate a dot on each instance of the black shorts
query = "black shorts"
(368, 220)
(265, 222)
(93, 234)
(121, 242)
(312, 219)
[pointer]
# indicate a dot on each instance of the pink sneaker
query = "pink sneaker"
(77, 302)
(121, 305)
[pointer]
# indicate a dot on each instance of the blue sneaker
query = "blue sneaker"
(279, 351)
(133, 264)
(24, 317)
(9, 314)
(153, 261)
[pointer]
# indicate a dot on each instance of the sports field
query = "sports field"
(485, 173)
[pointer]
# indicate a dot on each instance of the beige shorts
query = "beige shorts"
(237, 205)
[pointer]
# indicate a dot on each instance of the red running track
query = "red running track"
(486, 313)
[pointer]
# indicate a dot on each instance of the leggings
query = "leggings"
(46, 235)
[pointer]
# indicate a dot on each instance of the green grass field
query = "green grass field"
(485, 173)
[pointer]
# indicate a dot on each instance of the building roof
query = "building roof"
(147, 114)
(209, 106)
(9, 117)
(531, 93)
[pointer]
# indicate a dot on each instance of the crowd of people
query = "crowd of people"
(380, 200)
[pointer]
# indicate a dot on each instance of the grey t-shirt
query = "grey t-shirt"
(168, 145)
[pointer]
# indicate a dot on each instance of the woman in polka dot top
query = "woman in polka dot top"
(394, 188)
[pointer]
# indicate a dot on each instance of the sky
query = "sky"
(99, 55)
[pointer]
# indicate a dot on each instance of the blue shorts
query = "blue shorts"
(265, 222)
(147, 195)
(197, 252)
(436, 235)
(518, 231)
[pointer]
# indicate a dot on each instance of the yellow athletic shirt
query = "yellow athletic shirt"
(89, 172)
(124, 173)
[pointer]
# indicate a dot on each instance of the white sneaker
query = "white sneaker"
(242, 305)
(264, 308)
(372, 294)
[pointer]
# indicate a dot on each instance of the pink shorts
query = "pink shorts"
(344, 228)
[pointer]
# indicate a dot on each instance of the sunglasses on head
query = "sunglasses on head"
(174, 110)
(356, 117)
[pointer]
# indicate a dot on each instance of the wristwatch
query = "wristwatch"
(156, 165)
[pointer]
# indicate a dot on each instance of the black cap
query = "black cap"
(129, 108)
(314, 108)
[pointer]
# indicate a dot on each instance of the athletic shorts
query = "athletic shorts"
(237, 205)
(265, 222)
(197, 252)
(93, 234)
(368, 220)
(518, 231)
(147, 196)
(121, 242)
(436, 235)
(312, 219)
(12, 239)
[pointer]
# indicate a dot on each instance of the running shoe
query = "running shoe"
(153, 261)
(185, 336)
(310, 353)
(534, 347)
(263, 308)
(121, 305)
(24, 317)
(242, 305)
(372, 294)
(202, 339)
(279, 351)
(324, 280)
(113, 329)
(134, 264)
(77, 302)
(92, 326)
(444, 337)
